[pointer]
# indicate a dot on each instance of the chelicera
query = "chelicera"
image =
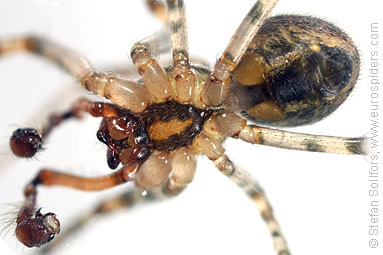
(285, 70)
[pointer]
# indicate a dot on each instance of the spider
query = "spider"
(203, 117)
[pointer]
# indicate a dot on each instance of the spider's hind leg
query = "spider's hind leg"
(232, 125)
(253, 189)
(211, 145)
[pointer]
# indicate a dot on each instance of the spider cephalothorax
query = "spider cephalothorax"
(165, 126)
(285, 70)
(171, 125)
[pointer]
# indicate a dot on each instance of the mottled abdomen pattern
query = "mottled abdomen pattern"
(297, 70)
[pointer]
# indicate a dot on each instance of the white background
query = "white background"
(320, 200)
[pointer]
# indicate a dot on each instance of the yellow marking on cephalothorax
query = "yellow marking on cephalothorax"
(163, 130)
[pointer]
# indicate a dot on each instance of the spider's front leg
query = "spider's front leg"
(115, 87)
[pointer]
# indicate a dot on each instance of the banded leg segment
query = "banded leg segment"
(252, 188)
(178, 27)
(117, 88)
(230, 124)
(217, 85)
(184, 77)
(211, 145)
(76, 65)
(306, 142)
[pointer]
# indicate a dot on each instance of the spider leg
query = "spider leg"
(159, 43)
(34, 229)
(117, 88)
(252, 188)
(126, 200)
(74, 64)
(306, 142)
(26, 142)
(210, 143)
(178, 28)
(183, 166)
(184, 77)
(154, 77)
(143, 52)
(217, 85)
(232, 125)
(159, 9)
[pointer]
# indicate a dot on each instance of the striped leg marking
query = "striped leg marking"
(252, 188)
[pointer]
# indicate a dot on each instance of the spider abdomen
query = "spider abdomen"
(297, 70)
